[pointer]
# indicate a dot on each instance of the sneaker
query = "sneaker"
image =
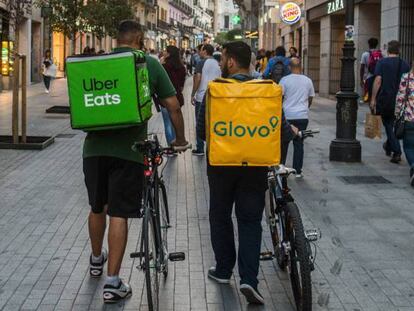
(96, 269)
(47, 91)
(171, 153)
(112, 294)
(197, 152)
(212, 275)
(299, 176)
(252, 295)
(395, 159)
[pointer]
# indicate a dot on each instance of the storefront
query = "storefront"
(6, 61)
(324, 39)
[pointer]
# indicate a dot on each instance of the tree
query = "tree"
(103, 16)
(66, 16)
(221, 38)
(234, 35)
(17, 10)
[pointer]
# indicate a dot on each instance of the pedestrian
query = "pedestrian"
(177, 73)
(86, 50)
(405, 103)
(369, 60)
(388, 72)
(154, 54)
(264, 60)
(114, 172)
(298, 93)
(278, 66)
(217, 54)
(188, 62)
(293, 52)
(207, 70)
(241, 187)
(48, 70)
(253, 72)
(92, 51)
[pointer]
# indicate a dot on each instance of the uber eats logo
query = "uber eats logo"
(223, 128)
(92, 85)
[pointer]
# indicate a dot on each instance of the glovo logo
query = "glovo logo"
(223, 128)
(290, 13)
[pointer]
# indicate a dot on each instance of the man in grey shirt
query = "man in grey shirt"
(206, 71)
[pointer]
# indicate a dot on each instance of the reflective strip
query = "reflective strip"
(75, 59)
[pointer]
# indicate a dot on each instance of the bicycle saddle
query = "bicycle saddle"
(283, 170)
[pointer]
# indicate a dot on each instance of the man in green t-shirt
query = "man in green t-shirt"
(114, 173)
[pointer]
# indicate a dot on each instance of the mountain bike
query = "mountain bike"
(153, 252)
(291, 243)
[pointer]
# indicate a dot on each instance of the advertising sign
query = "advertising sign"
(290, 13)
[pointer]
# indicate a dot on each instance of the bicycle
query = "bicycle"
(291, 243)
(153, 252)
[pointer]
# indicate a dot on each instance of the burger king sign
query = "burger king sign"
(290, 13)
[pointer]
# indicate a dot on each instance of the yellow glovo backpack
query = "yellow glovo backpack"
(243, 122)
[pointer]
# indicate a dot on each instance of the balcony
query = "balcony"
(163, 25)
(182, 6)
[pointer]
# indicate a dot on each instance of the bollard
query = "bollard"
(24, 98)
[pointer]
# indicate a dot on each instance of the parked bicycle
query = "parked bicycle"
(153, 253)
(291, 243)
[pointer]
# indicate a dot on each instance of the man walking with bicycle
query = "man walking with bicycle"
(243, 186)
(114, 172)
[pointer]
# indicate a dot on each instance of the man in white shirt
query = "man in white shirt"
(298, 93)
(210, 70)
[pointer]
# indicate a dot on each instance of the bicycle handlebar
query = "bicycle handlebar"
(308, 133)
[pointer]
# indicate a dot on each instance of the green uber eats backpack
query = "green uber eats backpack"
(108, 91)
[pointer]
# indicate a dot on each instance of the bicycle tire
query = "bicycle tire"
(150, 257)
(165, 201)
(164, 224)
(299, 265)
(275, 228)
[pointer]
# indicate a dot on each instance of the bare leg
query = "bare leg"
(117, 240)
(97, 226)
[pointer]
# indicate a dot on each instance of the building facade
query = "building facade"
(224, 16)
(30, 44)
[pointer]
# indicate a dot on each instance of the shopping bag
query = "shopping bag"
(373, 126)
(243, 122)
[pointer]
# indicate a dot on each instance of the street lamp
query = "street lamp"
(345, 148)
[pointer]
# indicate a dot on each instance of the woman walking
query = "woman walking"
(176, 70)
(48, 70)
(405, 103)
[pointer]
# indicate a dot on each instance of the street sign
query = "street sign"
(236, 19)
(251, 34)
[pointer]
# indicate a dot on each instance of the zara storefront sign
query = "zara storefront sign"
(290, 13)
(335, 6)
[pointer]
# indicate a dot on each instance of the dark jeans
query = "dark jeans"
(408, 143)
(298, 150)
(244, 186)
(46, 81)
(200, 142)
(370, 84)
(392, 144)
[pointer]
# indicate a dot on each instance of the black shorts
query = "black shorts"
(114, 182)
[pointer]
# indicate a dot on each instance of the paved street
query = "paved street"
(364, 259)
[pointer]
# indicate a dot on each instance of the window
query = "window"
(226, 22)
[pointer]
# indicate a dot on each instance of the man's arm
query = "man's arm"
(375, 89)
(177, 120)
(196, 83)
(268, 69)
(310, 100)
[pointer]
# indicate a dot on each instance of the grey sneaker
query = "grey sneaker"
(112, 294)
(252, 295)
(96, 269)
(212, 275)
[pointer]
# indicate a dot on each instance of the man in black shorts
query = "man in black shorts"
(114, 173)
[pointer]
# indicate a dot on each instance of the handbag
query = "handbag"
(399, 125)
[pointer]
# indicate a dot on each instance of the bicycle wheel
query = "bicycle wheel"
(151, 258)
(164, 225)
(276, 226)
(299, 263)
(164, 202)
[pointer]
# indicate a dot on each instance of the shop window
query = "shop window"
(226, 22)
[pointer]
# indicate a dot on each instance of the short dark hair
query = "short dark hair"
(294, 49)
(394, 47)
(127, 29)
(240, 52)
(208, 48)
(280, 51)
(373, 43)
(199, 47)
